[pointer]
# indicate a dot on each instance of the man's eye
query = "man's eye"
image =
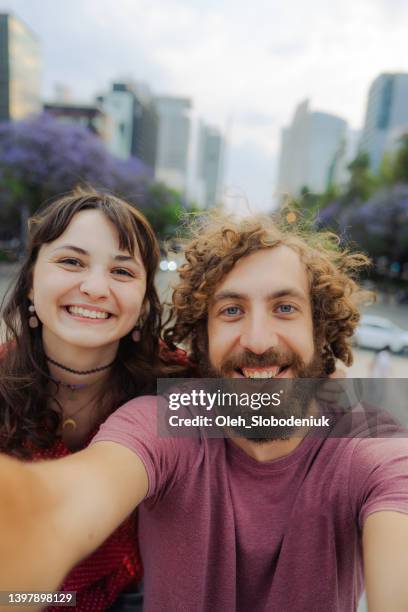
(286, 308)
(231, 311)
(122, 272)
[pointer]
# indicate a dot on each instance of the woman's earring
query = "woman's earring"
(32, 321)
(136, 334)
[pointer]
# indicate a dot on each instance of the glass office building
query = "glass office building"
(20, 70)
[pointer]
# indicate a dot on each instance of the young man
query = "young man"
(232, 524)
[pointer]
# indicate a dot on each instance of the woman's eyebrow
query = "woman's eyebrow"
(124, 258)
(72, 247)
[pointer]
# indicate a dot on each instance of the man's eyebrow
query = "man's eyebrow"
(236, 295)
(229, 295)
(289, 292)
(81, 251)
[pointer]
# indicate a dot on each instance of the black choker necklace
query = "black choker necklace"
(79, 372)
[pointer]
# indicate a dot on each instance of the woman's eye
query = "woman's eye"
(232, 311)
(122, 272)
(286, 308)
(71, 261)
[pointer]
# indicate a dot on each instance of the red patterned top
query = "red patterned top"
(112, 568)
(116, 565)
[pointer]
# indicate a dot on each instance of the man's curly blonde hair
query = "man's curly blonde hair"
(219, 241)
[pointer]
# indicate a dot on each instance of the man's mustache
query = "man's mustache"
(248, 359)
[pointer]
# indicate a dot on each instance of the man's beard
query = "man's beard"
(298, 393)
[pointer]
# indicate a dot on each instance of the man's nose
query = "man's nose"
(258, 334)
(95, 285)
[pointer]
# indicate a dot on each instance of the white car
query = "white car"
(379, 333)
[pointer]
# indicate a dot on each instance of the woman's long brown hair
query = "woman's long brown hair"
(26, 418)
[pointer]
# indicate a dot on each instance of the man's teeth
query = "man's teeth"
(269, 373)
(83, 312)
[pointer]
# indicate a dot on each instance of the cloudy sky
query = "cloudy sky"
(246, 65)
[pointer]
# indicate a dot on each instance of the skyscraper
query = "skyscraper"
(209, 164)
(87, 115)
(173, 141)
(133, 122)
(308, 147)
(386, 115)
(339, 173)
(20, 68)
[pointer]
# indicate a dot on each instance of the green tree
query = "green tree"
(362, 182)
(330, 195)
(400, 169)
(386, 172)
(163, 207)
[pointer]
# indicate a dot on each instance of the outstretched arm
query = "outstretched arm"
(385, 545)
(54, 513)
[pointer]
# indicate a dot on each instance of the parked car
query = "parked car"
(379, 333)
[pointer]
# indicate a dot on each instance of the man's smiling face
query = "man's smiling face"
(260, 321)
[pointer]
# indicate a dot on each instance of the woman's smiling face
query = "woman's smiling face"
(87, 292)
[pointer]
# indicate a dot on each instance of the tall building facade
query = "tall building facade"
(133, 122)
(386, 115)
(173, 141)
(339, 173)
(89, 116)
(308, 147)
(20, 70)
(210, 147)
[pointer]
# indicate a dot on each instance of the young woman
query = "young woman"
(82, 337)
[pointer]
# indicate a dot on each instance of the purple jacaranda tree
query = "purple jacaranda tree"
(42, 157)
(379, 225)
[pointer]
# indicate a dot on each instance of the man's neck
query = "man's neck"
(267, 451)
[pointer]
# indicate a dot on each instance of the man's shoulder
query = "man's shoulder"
(141, 423)
(137, 415)
(139, 409)
(364, 448)
(146, 404)
(376, 451)
(357, 459)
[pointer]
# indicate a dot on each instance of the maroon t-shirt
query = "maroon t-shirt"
(222, 532)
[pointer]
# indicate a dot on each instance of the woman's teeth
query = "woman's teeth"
(90, 314)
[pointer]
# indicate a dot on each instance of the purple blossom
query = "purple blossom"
(45, 157)
(378, 225)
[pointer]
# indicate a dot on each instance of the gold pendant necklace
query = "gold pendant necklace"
(73, 389)
(70, 421)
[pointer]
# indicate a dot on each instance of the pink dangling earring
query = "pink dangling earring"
(32, 321)
(136, 335)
